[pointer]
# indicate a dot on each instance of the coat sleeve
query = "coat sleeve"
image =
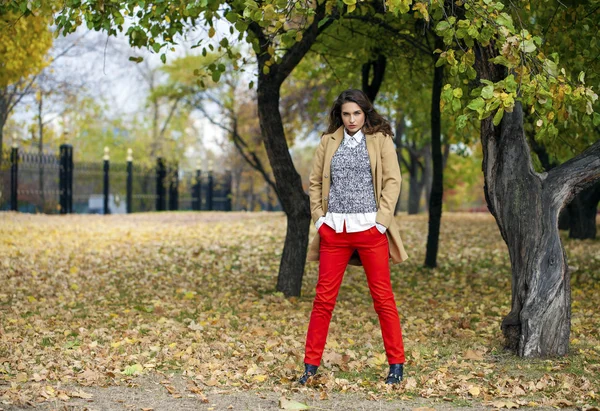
(315, 188)
(391, 179)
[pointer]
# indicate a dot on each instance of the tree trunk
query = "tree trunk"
(400, 126)
(437, 187)
(526, 205)
(414, 193)
(371, 88)
(582, 213)
(3, 116)
(428, 174)
(294, 200)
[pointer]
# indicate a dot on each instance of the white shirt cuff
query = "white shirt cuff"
(319, 222)
(382, 229)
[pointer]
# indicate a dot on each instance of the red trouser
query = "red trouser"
(335, 252)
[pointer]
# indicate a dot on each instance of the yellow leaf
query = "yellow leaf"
(22, 377)
(211, 32)
(473, 355)
(474, 391)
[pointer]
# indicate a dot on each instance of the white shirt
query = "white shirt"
(355, 222)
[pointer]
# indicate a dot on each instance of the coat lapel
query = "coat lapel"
(337, 137)
(372, 149)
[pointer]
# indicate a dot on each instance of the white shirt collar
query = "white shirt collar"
(358, 136)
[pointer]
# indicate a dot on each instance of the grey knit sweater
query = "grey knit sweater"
(351, 181)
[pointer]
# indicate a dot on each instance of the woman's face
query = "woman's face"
(353, 117)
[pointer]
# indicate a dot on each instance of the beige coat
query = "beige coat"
(386, 182)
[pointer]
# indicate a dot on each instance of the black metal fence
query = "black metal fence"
(50, 183)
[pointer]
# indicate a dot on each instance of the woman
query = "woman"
(354, 186)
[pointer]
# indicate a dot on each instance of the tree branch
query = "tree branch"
(568, 179)
(168, 119)
(240, 144)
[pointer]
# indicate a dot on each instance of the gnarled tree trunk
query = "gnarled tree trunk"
(526, 205)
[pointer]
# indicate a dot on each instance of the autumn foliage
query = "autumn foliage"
(100, 300)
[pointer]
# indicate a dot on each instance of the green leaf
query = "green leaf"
(136, 59)
(510, 84)
(442, 26)
(232, 17)
(325, 20)
(216, 76)
(477, 104)
(498, 116)
(461, 121)
(487, 92)
(505, 20)
(596, 119)
(456, 105)
(528, 46)
(551, 67)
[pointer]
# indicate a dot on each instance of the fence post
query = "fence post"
(106, 180)
(66, 179)
(174, 189)
(209, 190)
(197, 190)
(228, 191)
(129, 195)
(14, 177)
(160, 185)
(70, 179)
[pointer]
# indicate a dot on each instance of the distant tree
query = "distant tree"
(24, 45)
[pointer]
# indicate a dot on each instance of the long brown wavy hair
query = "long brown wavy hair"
(374, 122)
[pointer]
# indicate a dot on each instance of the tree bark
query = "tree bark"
(437, 186)
(526, 205)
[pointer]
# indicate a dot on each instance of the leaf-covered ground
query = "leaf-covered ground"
(108, 300)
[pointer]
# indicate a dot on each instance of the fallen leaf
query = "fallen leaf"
(286, 404)
(81, 394)
(474, 391)
(411, 383)
(473, 355)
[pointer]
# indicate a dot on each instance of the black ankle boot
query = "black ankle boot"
(395, 374)
(309, 371)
